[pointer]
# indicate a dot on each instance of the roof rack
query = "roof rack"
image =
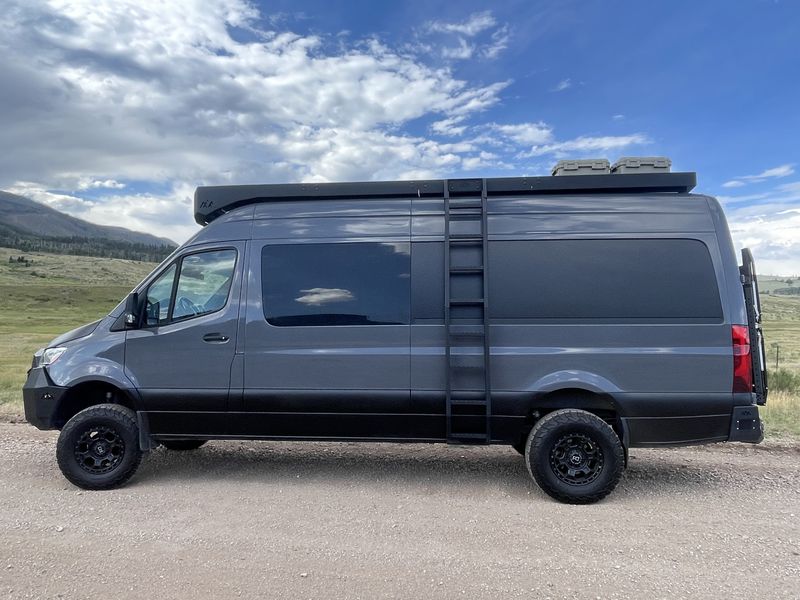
(212, 201)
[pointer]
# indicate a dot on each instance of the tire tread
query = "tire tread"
(535, 443)
(125, 417)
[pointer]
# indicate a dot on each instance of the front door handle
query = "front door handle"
(215, 338)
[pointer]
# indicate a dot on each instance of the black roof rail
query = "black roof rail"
(212, 201)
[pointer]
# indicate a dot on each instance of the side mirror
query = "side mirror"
(132, 312)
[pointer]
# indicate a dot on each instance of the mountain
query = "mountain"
(32, 218)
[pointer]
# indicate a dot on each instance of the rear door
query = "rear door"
(180, 360)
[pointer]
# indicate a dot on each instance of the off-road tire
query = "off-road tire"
(93, 463)
(585, 436)
(182, 444)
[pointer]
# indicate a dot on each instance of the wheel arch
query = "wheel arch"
(600, 403)
(90, 392)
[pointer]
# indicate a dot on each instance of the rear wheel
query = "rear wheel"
(98, 448)
(574, 456)
(182, 444)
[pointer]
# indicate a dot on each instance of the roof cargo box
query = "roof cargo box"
(587, 166)
(642, 164)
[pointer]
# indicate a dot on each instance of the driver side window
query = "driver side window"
(204, 283)
(204, 280)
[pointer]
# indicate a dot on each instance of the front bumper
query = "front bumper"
(41, 399)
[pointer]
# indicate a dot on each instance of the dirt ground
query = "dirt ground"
(324, 520)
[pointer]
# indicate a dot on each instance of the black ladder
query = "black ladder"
(466, 317)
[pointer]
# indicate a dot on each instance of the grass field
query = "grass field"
(56, 293)
(52, 295)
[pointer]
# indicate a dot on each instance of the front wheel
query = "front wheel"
(574, 456)
(98, 448)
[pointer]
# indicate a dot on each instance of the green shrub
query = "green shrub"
(784, 380)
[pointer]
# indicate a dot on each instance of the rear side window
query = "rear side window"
(336, 284)
(608, 280)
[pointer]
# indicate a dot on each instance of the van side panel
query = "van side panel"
(668, 381)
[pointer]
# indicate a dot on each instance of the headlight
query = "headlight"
(51, 355)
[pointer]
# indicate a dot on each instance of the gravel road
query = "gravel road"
(324, 520)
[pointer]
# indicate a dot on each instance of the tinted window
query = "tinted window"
(204, 282)
(336, 284)
(603, 279)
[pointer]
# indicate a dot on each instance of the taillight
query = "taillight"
(742, 364)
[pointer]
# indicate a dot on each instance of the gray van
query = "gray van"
(571, 316)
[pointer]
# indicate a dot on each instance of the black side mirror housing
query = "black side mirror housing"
(133, 312)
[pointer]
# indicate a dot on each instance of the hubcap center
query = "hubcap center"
(575, 457)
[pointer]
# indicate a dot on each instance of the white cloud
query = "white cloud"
(484, 160)
(449, 126)
(733, 184)
(475, 23)
(587, 144)
(525, 133)
(461, 52)
(87, 184)
(169, 216)
(59, 201)
(98, 93)
(472, 37)
(562, 85)
(782, 171)
(618, 117)
(498, 43)
(726, 200)
(117, 96)
(771, 233)
(320, 296)
(768, 223)
(774, 173)
(791, 189)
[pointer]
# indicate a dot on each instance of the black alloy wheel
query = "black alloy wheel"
(98, 448)
(576, 459)
(574, 456)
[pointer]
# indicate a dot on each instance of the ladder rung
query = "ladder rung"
(467, 330)
(466, 361)
(466, 216)
(455, 204)
(467, 302)
(467, 402)
(463, 238)
(465, 270)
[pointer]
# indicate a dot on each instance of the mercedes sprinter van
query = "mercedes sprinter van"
(572, 316)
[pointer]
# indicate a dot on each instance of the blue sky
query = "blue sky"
(117, 110)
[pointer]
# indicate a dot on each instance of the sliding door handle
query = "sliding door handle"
(215, 338)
